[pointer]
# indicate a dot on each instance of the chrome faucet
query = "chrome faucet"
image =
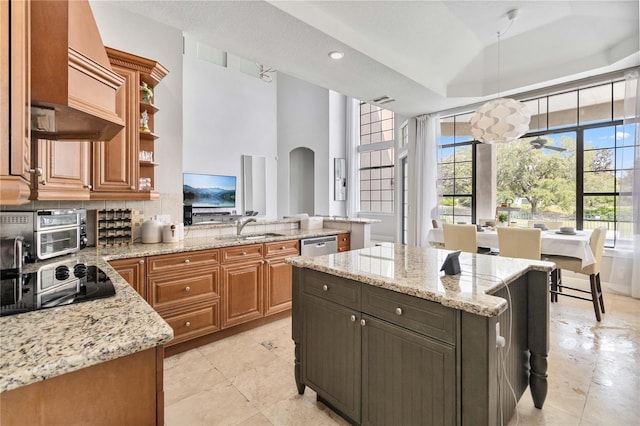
(240, 225)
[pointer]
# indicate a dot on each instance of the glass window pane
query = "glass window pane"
(599, 182)
(464, 170)
(463, 128)
(365, 159)
(463, 186)
(618, 100)
(446, 128)
(626, 134)
(597, 160)
(563, 110)
(595, 104)
(598, 211)
(538, 110)
(376, 137)
(601, 137)
(447, 186)
(625, 158)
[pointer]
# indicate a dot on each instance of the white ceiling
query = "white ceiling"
(429, 55)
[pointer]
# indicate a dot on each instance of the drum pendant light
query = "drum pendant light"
(500, 120)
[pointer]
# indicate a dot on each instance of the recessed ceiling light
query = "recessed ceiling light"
(336, 54)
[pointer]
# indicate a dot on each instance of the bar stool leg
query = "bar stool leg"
(594, 296)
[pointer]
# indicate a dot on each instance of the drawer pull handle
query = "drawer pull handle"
(187, 324)
(398, 311)
(353, 318)
(363, 322)
(187, 261)
(187, 289)
(325, 288)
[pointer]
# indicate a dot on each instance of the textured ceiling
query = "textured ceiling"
(428, 55)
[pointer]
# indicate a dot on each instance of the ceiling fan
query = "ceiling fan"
(539, 143)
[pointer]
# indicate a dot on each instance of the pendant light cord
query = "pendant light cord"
(512, 15)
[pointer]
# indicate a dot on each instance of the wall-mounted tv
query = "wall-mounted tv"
(209, 190)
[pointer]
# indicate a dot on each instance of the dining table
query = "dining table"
(553, 243)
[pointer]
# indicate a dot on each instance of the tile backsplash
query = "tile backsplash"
(168, 203)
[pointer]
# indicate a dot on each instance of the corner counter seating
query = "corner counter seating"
(383, 337)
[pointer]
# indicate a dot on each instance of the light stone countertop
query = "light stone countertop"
(416, 271)
(39, 345)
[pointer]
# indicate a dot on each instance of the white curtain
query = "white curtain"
(353, 163)
(622, 259)
(423, 175)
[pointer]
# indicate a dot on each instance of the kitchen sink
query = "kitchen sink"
(252, 236)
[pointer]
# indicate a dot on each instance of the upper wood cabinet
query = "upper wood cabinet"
(120, 171)
(15, 102)
(63, 170)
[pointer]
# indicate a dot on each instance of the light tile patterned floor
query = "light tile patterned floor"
(247, 379)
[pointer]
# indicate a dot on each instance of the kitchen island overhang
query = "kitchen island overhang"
(367, 323)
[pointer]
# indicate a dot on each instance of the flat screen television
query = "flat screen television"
(209, 190)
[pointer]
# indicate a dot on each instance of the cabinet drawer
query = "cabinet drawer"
(339, 290)
(241, 253)
(422, 316)
(173, 290)
(344, 242)
(282, 248)
(194, 322)
(180, 262)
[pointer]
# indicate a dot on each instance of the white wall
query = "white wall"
(228, 114)
(303, 121)
(141, 36)
(337, 146)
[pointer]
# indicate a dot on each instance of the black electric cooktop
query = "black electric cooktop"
(53, 285)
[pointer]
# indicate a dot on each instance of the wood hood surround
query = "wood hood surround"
(70, 72)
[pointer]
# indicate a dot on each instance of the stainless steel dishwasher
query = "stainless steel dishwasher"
(318, 246)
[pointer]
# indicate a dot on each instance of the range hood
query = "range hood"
(73, 88)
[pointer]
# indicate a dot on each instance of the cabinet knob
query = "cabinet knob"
(398, 311)
(187, 324)
(244, 253)
(353, 318)
(43, 182)
(37, 171)
(325, 288)
(363, 322)
(282, 248)
(141, 261)
(89, 187)
(187, 261)
(133, 187)
(187, 289)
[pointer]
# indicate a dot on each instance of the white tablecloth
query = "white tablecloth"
(552, 243)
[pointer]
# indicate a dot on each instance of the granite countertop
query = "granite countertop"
(416, 271)
(39, 345)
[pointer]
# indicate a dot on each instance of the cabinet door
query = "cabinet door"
(344, 242)
(65, 166)
(15, 102)
(331, 354)
(418, 390)
(242, 293)
(115, 161)
(133, 272)
(278, 281)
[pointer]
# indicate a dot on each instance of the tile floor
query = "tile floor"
(247, 379)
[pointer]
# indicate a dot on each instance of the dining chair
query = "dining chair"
(460, 237)
(524, 243)
(550, 224)
(596, 242)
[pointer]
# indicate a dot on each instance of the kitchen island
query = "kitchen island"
(383, 337)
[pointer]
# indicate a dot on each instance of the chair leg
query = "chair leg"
(599, 288)
(554, 284)
(594, 296)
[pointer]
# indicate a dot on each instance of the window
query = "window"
(405, 200)
(456, 171)
(377, 159)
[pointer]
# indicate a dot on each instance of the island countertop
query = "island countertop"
(416, 271)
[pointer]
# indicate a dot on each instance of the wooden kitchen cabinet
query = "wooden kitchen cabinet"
(242, 284)
(184, 288)
(15, 102)
(123, 391)
(344, 242)
(63, 170)
(117, 164)
(277, 275)
(134, 272)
